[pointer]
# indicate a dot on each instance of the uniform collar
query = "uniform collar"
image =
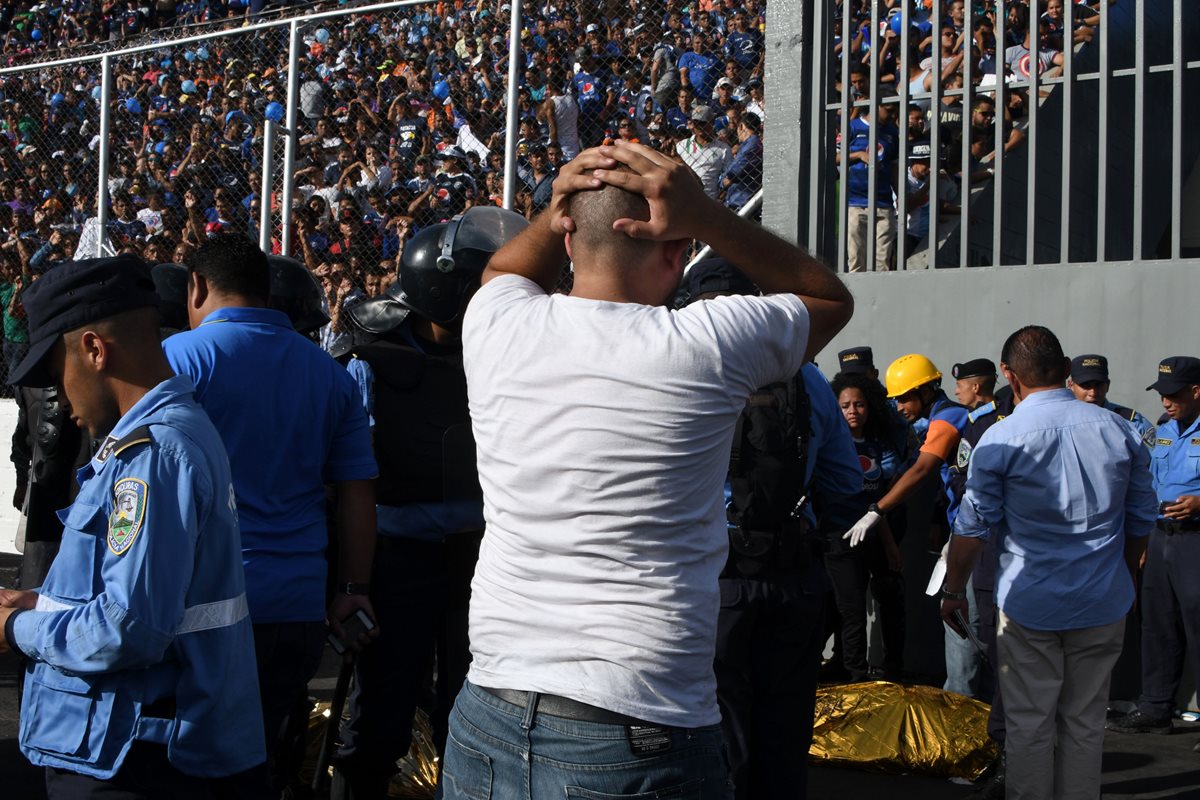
(1045, 398)
(144, 410)
(1190, 429)
(262, 316)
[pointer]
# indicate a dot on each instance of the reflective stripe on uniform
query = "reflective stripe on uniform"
(220, 614)
(204, 617)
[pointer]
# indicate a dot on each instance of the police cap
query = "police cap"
(1176, 374)
(1089, 368)
(856, 361)
(975, 368)
(75, 294)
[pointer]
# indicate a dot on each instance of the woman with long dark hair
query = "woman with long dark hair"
(876, 563)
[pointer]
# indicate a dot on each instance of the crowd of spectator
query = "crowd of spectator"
(401, 122)
(974, 46)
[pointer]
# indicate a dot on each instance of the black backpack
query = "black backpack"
(767, 469)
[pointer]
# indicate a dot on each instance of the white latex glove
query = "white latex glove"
(938, 576)
(862, 528)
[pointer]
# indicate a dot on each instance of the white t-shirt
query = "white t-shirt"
(603, 432)
(708, 161)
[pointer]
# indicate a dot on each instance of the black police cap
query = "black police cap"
(856, 360)
(1088, 368)
(974, 368)
(73, 295)
(1176, 374)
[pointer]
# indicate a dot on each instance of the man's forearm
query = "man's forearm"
(964, 552)
(356, 530)
(536, 253)
(924, 466)
(774, 264)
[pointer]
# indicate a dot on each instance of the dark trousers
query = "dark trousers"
(288, 655)
(420, 593)
(1170, 618)
(769, 642)
(852, 572)
(146, 774)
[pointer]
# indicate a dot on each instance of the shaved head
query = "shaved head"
(594, 213)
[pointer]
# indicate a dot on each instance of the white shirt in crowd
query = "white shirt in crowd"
(708, 161)
(603, 433)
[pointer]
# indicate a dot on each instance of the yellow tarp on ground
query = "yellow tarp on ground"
(886, 727)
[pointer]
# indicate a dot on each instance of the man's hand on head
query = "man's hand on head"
(679, 208)
(575, 176)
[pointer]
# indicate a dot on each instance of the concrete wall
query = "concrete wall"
(1135, 313)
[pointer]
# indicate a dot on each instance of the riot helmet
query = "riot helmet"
(441, 265)
(439, 270)
(171, 286)
(712, 276)
(296, 292)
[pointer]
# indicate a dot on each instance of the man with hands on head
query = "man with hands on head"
(595, 598)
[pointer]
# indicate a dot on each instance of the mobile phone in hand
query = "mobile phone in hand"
(353, 626)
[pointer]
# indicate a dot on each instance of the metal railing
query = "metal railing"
(939, 139)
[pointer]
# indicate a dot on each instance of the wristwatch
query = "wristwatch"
(354, 588)
(875, 509)
(949, 595)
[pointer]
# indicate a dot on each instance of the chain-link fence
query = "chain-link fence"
(370, 123)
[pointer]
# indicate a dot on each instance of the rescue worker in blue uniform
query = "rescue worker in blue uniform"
(137, 643)
(915, 383)
(770, 630)
(981, 594)
(1170, 599)
(407, 359)
(292, 421)
(1089, 381)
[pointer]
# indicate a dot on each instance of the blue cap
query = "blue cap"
(1176, 374)
(856, 360)
(72, 295)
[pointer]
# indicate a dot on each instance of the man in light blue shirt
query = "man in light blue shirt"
(1065, 487)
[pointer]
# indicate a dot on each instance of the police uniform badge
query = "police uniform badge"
(1149, 437)
(128, 514)
(964, 454)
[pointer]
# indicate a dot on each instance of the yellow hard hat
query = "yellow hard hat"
(908, 372)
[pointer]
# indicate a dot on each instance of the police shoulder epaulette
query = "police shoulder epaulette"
(112, 446)
(1123, 412)
(982, 411)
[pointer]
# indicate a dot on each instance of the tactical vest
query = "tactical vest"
(767, 469)
(423, 441)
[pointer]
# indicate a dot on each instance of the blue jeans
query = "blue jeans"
(499, 750)
(962, 659)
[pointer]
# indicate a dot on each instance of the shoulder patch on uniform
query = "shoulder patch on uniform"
(130, 496)
(964, 454)
(1149, 436)
(113, 446)
(1164, 442)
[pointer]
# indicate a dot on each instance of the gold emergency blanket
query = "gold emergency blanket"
(886, 727)
(417, 773)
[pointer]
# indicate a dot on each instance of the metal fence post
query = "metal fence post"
(264, 193)
(103, 149)
(510, 119)
(292, 141)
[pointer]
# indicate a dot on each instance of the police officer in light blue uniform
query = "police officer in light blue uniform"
(138, 642)
(1089, 381)
(1170, 600)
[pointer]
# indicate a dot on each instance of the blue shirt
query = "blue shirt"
(292, 421)
(1175, 460)
(1061, 484)
(145, 601)
(834, 468)
(858, 181)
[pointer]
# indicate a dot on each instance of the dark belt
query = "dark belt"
(1171, 527)
(564, 707)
